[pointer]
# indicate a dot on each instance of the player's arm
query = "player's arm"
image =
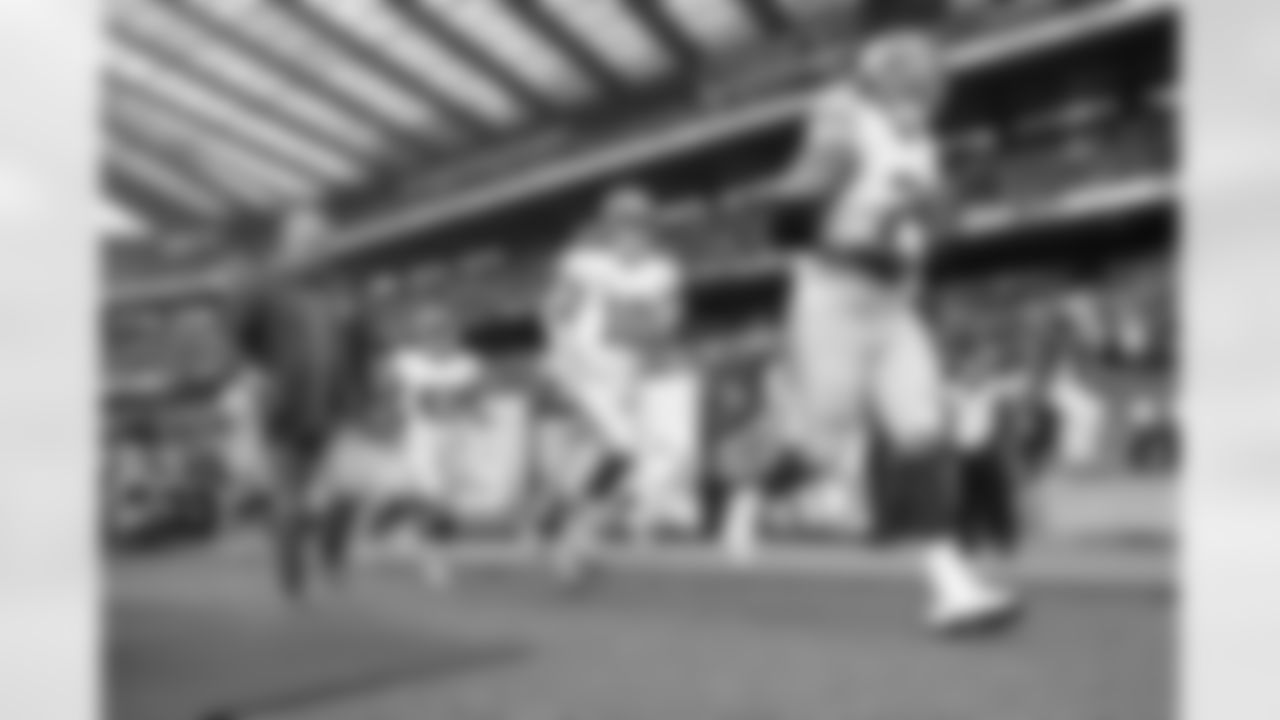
(566, 291)
(823, 163)
(928, 219)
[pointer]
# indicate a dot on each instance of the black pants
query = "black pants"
(912, 495)
(987, 514)
(311, 539)
(968, 495)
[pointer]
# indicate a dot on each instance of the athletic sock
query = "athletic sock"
(954, 581)
(741, 535)
(920, 504)
(579, 542)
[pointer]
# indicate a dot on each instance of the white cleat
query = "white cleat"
(990, 615)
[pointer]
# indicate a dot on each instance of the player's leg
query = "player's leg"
(583, 518)
(996, 504)
(830, 362)
(379, 520)
(421, 508)
(328, 508)
(250, 486)
(245, 477)
(909, 403)
(767, 463)
(405, 522)
(668, 457)
(988, 499)
(365, 472)
(430, 527)
(335, 526)
(386, 519)
(738, 474)
(564, 461)
(356, 483)
(597, 403)
(293, 519)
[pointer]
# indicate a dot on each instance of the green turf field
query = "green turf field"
(652, 641)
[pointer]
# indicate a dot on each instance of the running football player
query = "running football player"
(612, 320)
(436, 384)
(866, 200)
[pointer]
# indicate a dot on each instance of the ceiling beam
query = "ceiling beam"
(424, 90)
(199, 124)
(294, 71)
(428, 24)
(768, 15)
(535, 15)
(161, 211)
(273, 113)
(173, 157)
(658, 21)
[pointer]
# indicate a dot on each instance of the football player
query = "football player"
(612, 323)
(436, 386)
(243, 446)
(866, 200)
(314, 353)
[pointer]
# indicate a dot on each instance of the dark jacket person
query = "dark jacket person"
(316, 353)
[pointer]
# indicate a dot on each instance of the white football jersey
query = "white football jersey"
(606, 286)
(895, 168)
(975, 413)
(429, 384)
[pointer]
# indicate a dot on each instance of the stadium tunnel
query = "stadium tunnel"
(427, 179)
